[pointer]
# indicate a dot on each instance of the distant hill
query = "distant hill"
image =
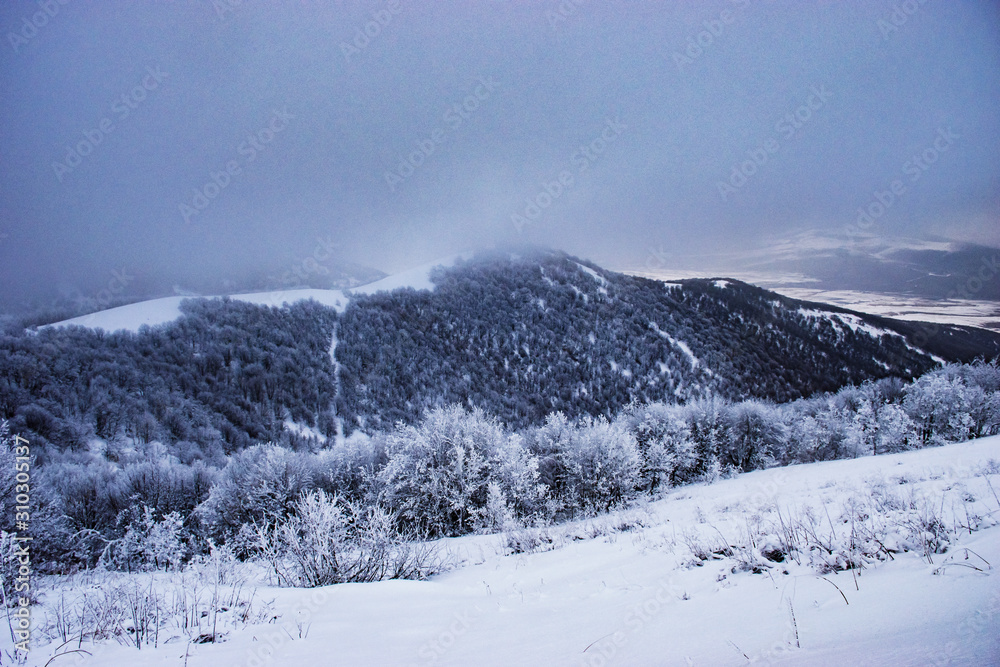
(138, 287)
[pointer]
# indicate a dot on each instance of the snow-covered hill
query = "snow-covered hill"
(522, 336)
(161, 311)
(628, 589)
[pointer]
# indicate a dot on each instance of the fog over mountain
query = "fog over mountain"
(209, 146)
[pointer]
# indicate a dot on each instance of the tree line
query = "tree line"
(458, 471)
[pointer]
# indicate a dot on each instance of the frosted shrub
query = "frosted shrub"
(815, 437)
(896, 431)
(260, 484)
(709, 430)
(350, 467)
(515, 475)
(437, 472)
(149, 543)
(313, 539)
(497, 515)
(755, 432)
(939, 404)
(328, 541)
(602, 465)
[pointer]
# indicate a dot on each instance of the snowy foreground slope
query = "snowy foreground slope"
(627, 589)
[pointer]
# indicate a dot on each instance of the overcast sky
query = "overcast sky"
(200, 137)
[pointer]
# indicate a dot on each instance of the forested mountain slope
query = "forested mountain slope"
(525, 335)
(224, 376)
(520, 336)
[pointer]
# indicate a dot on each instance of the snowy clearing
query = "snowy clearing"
(670, 582)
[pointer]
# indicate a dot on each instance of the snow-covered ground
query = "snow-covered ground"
(628, 589)
(130, 317)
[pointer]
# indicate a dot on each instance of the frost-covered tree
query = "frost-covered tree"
(663, 436)
(709, 429)
(939, 405)
(862, 426)
(895, 431)
(497, 515)
(513, 469)
(986, 415)
(349, 468)
(548, 441)
(983, 374)
(755, 432)
(817, 431)
(162, 483)
(148, 542)
(878, 424)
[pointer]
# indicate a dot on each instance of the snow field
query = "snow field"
(630, 588)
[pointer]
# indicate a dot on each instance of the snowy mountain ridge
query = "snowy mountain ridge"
(524, 335)
(154, 312)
